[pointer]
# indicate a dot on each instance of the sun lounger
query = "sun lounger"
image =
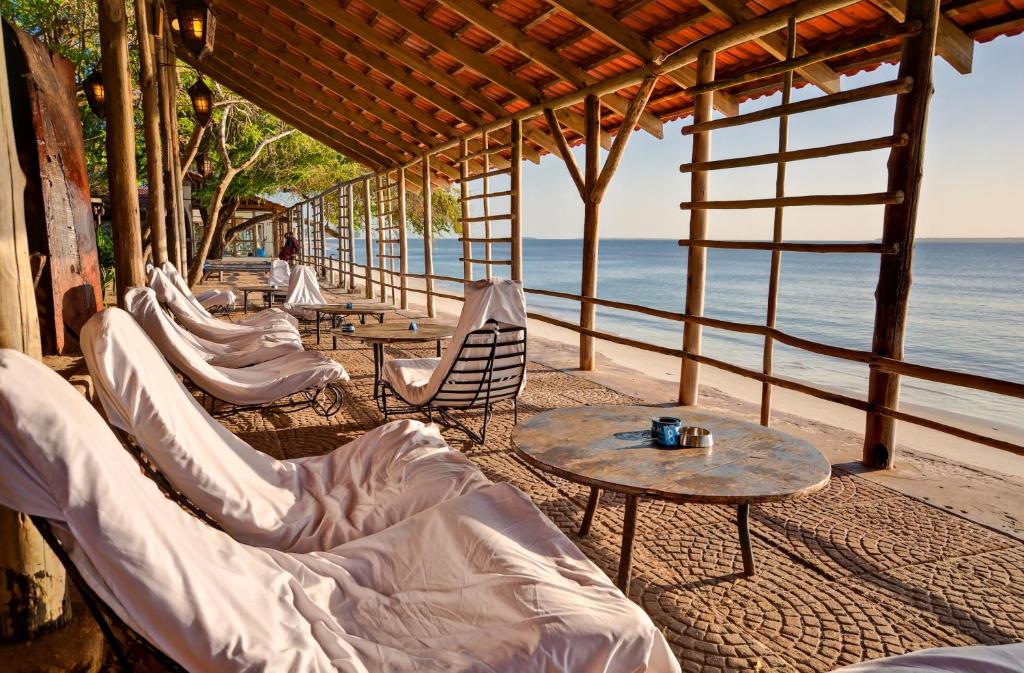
(297, 379)
(303, 289)
(280, 273)
(485, 362)
(482, 582)
(222, 299)
(221, 331)
(978, 659)
(306, 504)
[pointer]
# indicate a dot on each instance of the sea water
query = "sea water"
(966, 307)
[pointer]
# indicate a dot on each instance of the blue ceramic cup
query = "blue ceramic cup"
(413, 326)
(348, 305)
(665, 430)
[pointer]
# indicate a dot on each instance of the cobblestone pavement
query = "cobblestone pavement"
(854, 572)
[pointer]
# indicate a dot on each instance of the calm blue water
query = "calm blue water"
(966, 307)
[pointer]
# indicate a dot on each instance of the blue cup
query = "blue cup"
(348, 305)
(413, 326)
(348, 327)
(665, 430)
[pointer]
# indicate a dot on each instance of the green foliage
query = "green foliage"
(105, 250)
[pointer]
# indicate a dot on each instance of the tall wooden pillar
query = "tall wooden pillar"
(697, 256)
(120, 142)
(403, 242)
(151, 129)
(428, 237)
(351, 198)
(591, 221)
(368, 235)
(32, 594)
(906, 168)
(168, 124)
(467, 233)
(515, 186)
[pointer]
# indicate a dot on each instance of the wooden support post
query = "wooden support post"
(776, 263)
(515, 187)
(368, 235)
(485, 139)
(124, 190)
(428, 235)
(403, 241)
(697, 256)
(591, 215)
(467, 233)
(351, 192)
(323, 239)
(906, 164)
(32, 594)
(148, 74)
(166, 80)
(382, 251)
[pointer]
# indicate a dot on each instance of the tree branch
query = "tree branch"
(262, 146)
(192, 148)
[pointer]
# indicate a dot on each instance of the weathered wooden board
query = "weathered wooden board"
(58, 214)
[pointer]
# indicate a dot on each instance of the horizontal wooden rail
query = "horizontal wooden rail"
(879, 198)
(493, 149)
(492, 195)
(839, 149)
(489, 218)
(893, 33)
(492, 262)
(879, 248)
(646, 310)
(506, 239)
(897, 86)
(488, 174)
(449, 279)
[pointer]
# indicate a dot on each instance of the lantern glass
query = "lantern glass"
(95, 93)
(202, 101)
(196, 22)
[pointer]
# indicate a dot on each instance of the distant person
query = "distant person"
(290, 247)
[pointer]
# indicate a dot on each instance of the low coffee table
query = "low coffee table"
(383, 334)
(610, 447)
(359, 308)
(267, 291)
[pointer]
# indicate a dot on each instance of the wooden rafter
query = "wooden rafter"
(606, 25)
(735, 11)
(952, 44)
(538, 52)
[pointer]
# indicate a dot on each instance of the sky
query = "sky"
(973, 179)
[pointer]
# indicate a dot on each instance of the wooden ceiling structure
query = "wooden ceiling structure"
(384, 81)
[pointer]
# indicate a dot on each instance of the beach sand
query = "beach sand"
(978, 482)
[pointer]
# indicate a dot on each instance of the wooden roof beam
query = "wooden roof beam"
(408, 58)
(610, 28)
(463, 53)
(951, 43)
(819, 74)
(538, 52)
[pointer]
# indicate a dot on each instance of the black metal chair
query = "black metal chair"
(490, 367)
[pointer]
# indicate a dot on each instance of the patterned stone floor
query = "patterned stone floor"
(854, 572)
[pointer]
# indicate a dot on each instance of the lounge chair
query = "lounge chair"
(303, 289)
(279, 273)
(482, 582)
(205, 300)
(975, 659)
(277, 326)
(485, 362)
(294, 380)
(306, 504)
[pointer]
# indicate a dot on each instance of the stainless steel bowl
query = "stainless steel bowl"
(696, 438)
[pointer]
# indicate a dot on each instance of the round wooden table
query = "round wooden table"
(610, 447)
(268, 291)
(383, 334)
(359, 308)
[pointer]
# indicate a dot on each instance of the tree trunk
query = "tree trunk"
(32, 582)
(151, 129)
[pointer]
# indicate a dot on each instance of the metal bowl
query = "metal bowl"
(695, 438)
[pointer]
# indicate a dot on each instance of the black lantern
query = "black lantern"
(204, 164)
(202, 101)
(196, 23)
(95, 93)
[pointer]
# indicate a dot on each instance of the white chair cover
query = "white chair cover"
(303, 288)
(483, 582)
(279, 273)
(220, 331)
(498, 299)
(260, 383)
(202, 301)
(977, 659)
(307, 504)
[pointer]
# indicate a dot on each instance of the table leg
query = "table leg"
(378, 368)
(626, 555)
(318, 327)
(742, 521)
(592, 501)
(245, 301)
(380, 318)
(270, 299)
(438, 348)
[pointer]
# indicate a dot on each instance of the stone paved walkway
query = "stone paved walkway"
(854, 572)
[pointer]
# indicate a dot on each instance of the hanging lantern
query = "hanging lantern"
(202, 101)
(204, 164)
(196, 23)
(95, 93)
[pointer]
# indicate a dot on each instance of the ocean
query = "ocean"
(966, 307)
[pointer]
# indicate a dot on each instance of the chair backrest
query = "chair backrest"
(200, 323)
(181, 286)
(490, 366)
(303, 287)
(279, 273)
